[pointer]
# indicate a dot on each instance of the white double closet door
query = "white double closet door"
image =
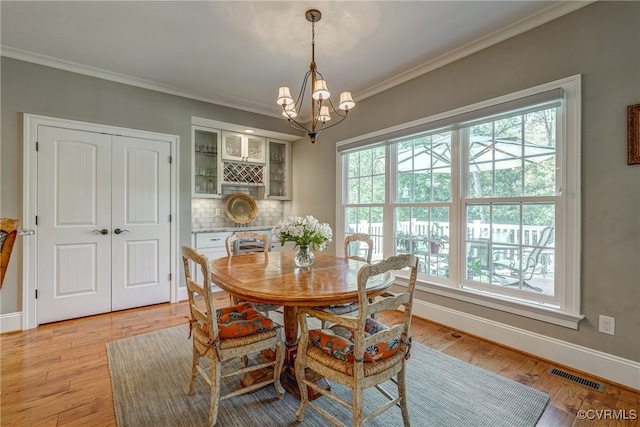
(103, 223)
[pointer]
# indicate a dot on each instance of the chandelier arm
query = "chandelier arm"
(334, 124)
(303, 89)
(300, 126)
(337, 110)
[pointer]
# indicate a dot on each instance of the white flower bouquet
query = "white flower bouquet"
(303, 231)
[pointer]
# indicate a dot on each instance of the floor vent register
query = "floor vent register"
(593, 385)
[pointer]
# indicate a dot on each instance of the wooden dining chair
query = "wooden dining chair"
(220, 335)
(8, 233)
(352, 250)
(359, 352)
(233, 240)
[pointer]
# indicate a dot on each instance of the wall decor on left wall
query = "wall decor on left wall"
(633, 134)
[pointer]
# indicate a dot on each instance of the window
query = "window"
(483, 196)
(424, 200)
(365, 183)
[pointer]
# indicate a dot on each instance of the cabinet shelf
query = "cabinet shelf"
(279, 166)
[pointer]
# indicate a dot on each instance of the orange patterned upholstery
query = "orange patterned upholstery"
(241, 320)
(8, 232)
(338, 341)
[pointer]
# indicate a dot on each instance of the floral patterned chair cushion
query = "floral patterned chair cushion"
(240, 320)
(339, 308)
(337, 341)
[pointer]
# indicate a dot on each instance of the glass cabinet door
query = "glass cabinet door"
(204, 165)
(232, 147)
(279, 184)
(255, 149)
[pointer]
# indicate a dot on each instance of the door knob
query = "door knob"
(104, 231)
(118, 231)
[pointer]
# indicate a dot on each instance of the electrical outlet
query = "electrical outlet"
(217, 211)
(607, 325)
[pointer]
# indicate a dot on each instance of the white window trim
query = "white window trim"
(568, 220)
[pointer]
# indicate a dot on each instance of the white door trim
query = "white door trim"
(29, 205)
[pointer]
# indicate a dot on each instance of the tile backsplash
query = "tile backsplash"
(203, 211)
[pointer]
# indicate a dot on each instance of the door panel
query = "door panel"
(140, 207)
(75, 272)
(74, 199)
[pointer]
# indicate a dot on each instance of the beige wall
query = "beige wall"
(600, 42)
(30, 88)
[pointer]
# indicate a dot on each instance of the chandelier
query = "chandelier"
(320, 95)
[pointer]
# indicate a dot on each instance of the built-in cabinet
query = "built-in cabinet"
(243, 148)
(205, 162)
(222, 158)
(279, 170)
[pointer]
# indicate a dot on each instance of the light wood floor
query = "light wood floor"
(57, 374)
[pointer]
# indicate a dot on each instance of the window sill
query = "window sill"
(542, 313)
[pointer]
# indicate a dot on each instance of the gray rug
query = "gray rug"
(150, 377)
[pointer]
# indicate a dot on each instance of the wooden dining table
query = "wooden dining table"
(273, 278)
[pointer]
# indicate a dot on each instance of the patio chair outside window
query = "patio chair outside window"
(518, 272)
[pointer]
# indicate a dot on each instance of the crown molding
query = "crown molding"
(518, 27)
(99, 73)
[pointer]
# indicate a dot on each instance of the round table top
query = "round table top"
(273, 278)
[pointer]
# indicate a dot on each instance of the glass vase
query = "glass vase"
(304, 256)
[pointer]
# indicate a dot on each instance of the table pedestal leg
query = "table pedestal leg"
(288, 378)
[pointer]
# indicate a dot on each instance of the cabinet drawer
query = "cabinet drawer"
(211, 240)
(212, 254)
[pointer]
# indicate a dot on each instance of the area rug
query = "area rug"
(150, 376)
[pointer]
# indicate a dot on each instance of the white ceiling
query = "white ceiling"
(237, 53)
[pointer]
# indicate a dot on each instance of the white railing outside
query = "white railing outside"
(503, 233)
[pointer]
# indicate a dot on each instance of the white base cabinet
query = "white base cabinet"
(213, 246)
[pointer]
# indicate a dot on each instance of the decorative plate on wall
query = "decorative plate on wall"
(241, 208)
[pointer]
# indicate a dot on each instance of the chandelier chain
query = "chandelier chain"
(313, 41)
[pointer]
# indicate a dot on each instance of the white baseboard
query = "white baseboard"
(10, 322)
(606, 366)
